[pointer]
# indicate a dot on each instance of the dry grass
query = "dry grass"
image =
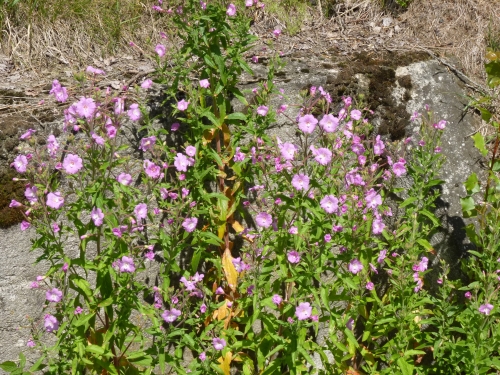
(73, 32)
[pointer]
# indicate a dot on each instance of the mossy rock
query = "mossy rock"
(10, 190)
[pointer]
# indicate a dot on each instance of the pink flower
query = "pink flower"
(467, 295)
(303, 311)
(231, 10)
(486, 308)
(330, 204)
(141, 211)
(355, 266)
(255, 59)
(276, 32)
(25, 225)
(30, 343)
(92, 70)
(181, 162)
(218, 343)
(422, 265)
(264, 220)
(293, 257)
(190, 151)
(31, 194)
(72, 164)
(175, 126)
(53, 295)
(160, 50)
(126, 265)
(300, 182)
(203, 355)
(378, 226)
(97, 216)
(86, 107)
(307, 123)
(20, 163)
(147, 84)
(248, 3)
(124, 179)
(171, 315)
(182, 105)
(134, 113)
(378, 146)
(262, 110)
(14, 204)
(189, 224)
(119, 105)
(370, 285)
(329, 123)
(55, 200)
(277, 299)
(441, 125)
(287, 150)
(355, 114)
(28, 134)
(373, 200)
(399, 169)
(51, 323)
(205, 83)
(78, 310)
(147, 143)
(151, 169)
(322, 155)
(293, 230)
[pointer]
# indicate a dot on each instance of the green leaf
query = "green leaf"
(425, 244)
(38, 364)
(479, 143)
(493, 71)
(83, 319)
(411, 352)
(406, 368)
(467, 204)
(106, 302)
(430, 216)
(474, 252)
(8, 366)
(95, 349)
(236, 116)
(408, 202)
(472, 184)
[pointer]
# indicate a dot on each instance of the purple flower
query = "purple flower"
(189, 224)
(300, 182)
(219, 291)
(55, 200)
(264, 220)
(20, 163)
(329, 123)
(262, 110)
(307, 123)
(276, 32)
(175, 126)
(30, 343)
(72, 164)
(327, 237)
(238, 155)
(147, 84)
(97, 216)
(86, 107)
(293, 230)
(441, 125)
(171, 315)
(370, 285)
(14, 204)
(205, 83)
(182, 105)
(124, 179)
(467, 295)
(355, 114)
(218, 343)
(303, 311)
(293, 257)
(231, 10)
(78, 310)
(399, 169)
(355, 266)
(53, 295)
(486, 308)
(382, 256)
(203, 308)
(255, 59)
(277, 299)
(92, 70)
(25, 225)
(50, 322)
(134, 112)
(160, 50)
(422, 265)
(378, 226)
(287, 150)
(126, 265)
(181, 162)
(147, 143)
(330, 204)
(31, 194)
(141, 211)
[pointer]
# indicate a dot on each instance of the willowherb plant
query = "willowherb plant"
(267, 254)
